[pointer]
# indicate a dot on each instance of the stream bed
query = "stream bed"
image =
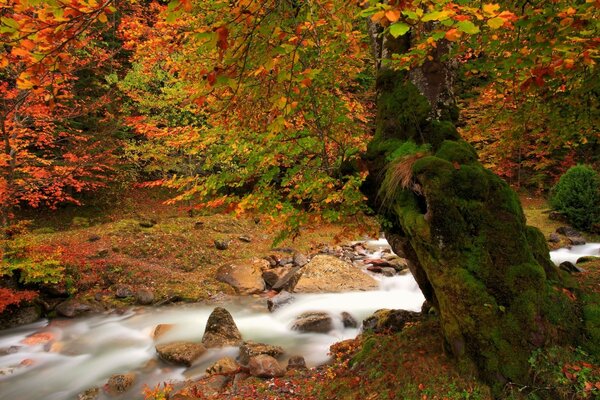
(85, 352)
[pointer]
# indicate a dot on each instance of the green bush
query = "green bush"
(577, 197)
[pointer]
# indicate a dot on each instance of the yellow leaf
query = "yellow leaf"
(23, 83)
(102, 18)
(491, 9)
(495, 23)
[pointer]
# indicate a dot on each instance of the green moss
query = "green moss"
(591, 317)
(440, 131)
(431, 166)
(406, 148)
(457, 151)
(539, 248)
(469, 182)
(365, 351)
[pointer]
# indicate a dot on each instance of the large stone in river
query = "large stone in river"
(244, 278)
(221, 330)
(326, 273)
(181, 353)
(318, 322)
(252, 349)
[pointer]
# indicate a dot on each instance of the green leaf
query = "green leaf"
(398, 29)
(410, 14)
(435, 16)
(467, 27)
(10, 22)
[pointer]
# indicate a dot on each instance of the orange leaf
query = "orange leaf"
(392, 15)
(453, 35)
(378, 16)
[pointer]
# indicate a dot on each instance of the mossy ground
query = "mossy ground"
(176, 257)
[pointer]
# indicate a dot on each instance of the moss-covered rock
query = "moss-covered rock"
(498, 294)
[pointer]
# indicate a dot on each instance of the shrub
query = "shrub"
(577, 197)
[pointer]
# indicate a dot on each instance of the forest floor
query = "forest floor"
(144, 243)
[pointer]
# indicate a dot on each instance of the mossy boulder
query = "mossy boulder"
(477, 262)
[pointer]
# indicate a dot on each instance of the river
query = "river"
(85, 352)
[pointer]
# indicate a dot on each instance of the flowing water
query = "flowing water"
(85, 352)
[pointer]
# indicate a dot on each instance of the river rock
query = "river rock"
(225, 365)
(388, 271)
(279, 300)
(568, 231)
(72, 308)
(576, 240)
(296, 363)
(554, 238)
(586, 259)
(289, 280)
(386, 320)
(318, 322)
(221, 330)
(265, 366)
(120, 383)
(144, 297)
(300, 260)
(348, 320)
(16, 316)
(272, 276)
(569, 267)
(90, 394)
(244, 278)
(252, 349)
(326, 273)
(180, 353)
(123, 291)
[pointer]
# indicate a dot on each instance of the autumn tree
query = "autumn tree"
(49, 151)
(487, 273)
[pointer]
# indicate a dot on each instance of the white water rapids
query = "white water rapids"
(89, 350)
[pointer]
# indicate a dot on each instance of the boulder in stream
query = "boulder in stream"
(265, 366)
(89, 394)
(348, 320)
(252, 349)
(326, 273)
(180, 353)
(221, 330)
(12, 317)
(118, 384)
(317, 322)
(279, 300)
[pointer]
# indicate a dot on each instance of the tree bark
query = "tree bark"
(488, 274)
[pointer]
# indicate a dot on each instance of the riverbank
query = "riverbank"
(176, 257)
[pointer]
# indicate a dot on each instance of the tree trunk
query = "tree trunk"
(463, 229)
